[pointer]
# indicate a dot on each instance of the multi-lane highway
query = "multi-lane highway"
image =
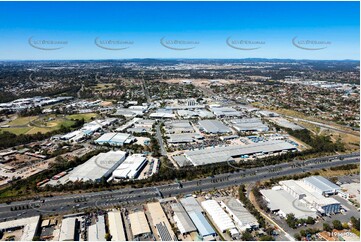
(81, 201)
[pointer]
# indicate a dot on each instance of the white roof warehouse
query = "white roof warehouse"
(97, 167)
(223, 154)
(131, 167)
(114, 139)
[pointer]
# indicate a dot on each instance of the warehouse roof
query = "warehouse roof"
(314, 197)
(183, 138)
(96, 232)
(114, 138)
(178, 125)
(139, 224)
(190, 204)
(249, 124)
(130, 167)
(226, 111)
(287, 124)
(184, 223)
(201, 223)
(218, 215)
(97, 166)
(223, 154)
(214, 126)
(159, 219)
(162, 113)
(29, 226)
(240, 212)
(67, 231)
(285, 202)
(181, 160)
(321, 183)
(116, 227)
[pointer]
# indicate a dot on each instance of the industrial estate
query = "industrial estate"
(111, 148)
(138, 158)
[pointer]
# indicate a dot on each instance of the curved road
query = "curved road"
(78, 202)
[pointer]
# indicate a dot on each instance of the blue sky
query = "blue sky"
(272, 25)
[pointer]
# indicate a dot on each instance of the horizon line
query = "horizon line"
(158, 58)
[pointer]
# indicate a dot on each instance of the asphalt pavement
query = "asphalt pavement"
(81, 201)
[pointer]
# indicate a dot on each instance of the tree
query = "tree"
(355, 223)
(107, 237)
(36, 238)
(327, 227)
(266, 238)
(297, 237)
(310, 220)
(345, 226)
(291, 220)
(247, 236)
(337, 224)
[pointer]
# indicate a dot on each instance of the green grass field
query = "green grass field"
(35, 124)
(20, 121)
(104, 86)
(87, 116)
(17, 131)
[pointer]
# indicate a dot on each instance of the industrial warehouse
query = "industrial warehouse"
(98, 167)
(224, 154)
(219, 217)
(160, 222)
(115, 139)
(195, 212)
(183, 221)
(131, 167)
(96, 232)
(116, 227)
(139, 224)
(243, 219)
(28, 226)
(249, 125)
(297, 197)
(214, 127)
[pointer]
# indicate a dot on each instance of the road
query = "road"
(326, 126)
(78, 202)
(146, 92)
(160, 139)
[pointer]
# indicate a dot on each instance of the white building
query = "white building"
(68, 229)
(96, 232)
(116, 227)
(219, 217)
(131, 167)
(98, 167)
(321, 185)
(313, 199)
(115, 139)
(242, 218)
(29, 227)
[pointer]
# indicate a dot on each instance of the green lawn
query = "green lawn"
(87, 116)
(17, 131)
(42, 125)
(48, 126)
(20, 121)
